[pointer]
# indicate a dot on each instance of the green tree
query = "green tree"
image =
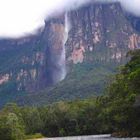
(10, 127)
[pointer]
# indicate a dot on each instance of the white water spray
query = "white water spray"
(62, 61)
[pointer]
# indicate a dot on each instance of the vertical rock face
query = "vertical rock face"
(134, 41)
(134, 20)
(98, 34)
(100, 27)
(36, 62)
(53, 38)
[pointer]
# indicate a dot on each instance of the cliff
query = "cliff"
(100, 27)
(96, 36)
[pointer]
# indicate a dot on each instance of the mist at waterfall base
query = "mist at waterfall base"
(56, 35)
(59, 73)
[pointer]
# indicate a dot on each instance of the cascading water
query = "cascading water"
(62, 61)
(57, 34)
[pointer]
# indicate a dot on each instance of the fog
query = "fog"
(132, 6)
(21, 17)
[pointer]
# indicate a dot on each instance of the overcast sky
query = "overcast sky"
(19, 17)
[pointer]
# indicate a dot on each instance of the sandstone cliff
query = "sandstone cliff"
(98, 34)
(100, 27)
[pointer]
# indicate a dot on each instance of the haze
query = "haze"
(21, 17)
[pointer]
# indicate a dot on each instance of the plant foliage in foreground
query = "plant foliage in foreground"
(116, 112)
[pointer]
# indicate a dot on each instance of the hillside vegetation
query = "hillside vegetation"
(85, 81)
(116, 112)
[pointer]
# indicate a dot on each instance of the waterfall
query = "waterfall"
(57, 36)
(62, 61)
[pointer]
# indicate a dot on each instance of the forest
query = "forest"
(116, 112)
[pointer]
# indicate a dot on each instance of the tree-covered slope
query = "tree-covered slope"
(114, 113)
(86, 81)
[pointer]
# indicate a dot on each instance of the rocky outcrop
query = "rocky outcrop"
(77, 55)
(4, 78)
(134, 41)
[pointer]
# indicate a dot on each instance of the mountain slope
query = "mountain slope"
(98, 39)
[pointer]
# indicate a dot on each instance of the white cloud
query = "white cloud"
(132, 6)
(20, 17)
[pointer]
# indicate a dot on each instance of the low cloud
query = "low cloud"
(21, 17)
(132, 6)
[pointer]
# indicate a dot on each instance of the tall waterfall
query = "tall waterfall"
(62, 62)
(57, 34)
